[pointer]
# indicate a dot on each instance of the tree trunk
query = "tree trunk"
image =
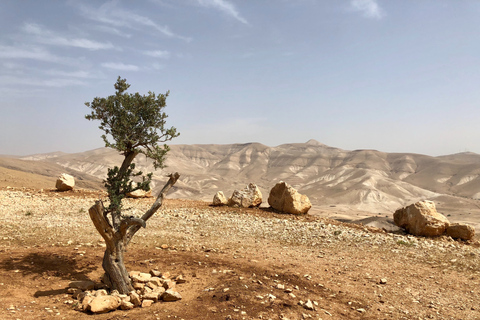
(115, 272)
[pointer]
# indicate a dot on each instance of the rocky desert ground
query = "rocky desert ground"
(238, 263)
(343, 260)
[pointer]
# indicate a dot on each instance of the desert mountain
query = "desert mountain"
(368, 180)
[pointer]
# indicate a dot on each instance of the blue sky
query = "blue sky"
(396, 75)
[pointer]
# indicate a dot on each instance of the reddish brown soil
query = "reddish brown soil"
(344, 280)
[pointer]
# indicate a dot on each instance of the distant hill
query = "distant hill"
(40, 174)
(368, 180)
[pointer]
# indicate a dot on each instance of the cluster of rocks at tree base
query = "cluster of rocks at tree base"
(65, 182)
(283, 197)
(149, 288)
(422, 219)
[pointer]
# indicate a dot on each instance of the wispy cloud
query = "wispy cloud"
(45, 36)
(32, 53)
(157, 54)
(369, 8)
(37, 82)
(120, 66)
(111, 14)
(224, 6)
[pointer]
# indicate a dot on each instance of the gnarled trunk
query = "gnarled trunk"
(115, 272)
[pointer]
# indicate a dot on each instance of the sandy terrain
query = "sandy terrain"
(236, 262)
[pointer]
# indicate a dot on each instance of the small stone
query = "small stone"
(126, 305)
(86, 302)
(361, 310)
(171, 295)
(151, 296)
(155, 273)
(383, 281)
(179, 279)
(135, 298)
(100, 293)
(147, 303)
(141, 277)
(309, 305)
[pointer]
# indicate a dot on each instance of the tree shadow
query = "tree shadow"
(50, 265)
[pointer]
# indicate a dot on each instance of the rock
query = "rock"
(171, 295)
(86, 302)
(147, 303)
(283, 197)
(155, 273)
(179, 279)
(309, 305)
(138, 285)
(421, 219)
(155, 282)
(135, 298)
(461, 231)
(103, 304)
(126, 305)
(141, 277)
(138, 194)
(82, 285)
(219, 199)
(101, 292)
(151, 296)
(169, 284)
(246, 198)
(65, 182)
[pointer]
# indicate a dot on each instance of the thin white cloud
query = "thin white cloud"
(369, 8)
(82, 74)
(36, 82)
(111, 14)
(45, 36)
(158, 54)
(120, 66)
(224, 6)
(32, 53)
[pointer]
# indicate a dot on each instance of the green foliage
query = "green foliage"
(118, 186)
(133, 124)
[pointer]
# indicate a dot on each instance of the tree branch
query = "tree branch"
(131, 221)
(101, 223)
(155, 206)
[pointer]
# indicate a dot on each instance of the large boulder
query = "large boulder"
(219, 199)
(246, 198)
(461, 231)
(65, 182)
(283, 197)
(421, 219)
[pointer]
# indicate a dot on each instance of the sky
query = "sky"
(389, 75)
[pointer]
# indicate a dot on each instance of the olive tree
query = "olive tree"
(133, 124)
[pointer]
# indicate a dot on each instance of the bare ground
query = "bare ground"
(234, 261)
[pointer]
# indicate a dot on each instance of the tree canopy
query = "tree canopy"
(135, 122)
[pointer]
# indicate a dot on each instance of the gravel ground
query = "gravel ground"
(361, 272)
